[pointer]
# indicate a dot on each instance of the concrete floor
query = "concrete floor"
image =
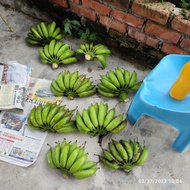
(164, 166)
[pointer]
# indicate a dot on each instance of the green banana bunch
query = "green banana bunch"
(71, 159)
(97, 119)
(43, 33)
(72, 85)
(99, 51)
(51, 117)
(123, 155)
(118, 83)
(55, 53)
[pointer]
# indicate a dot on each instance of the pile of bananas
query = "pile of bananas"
(51, 117)
(71, 159)
(99, 51)
(43, 33)
(118, 83)
(56, 53)
(98, 119)
(124, 155)
(72, 85)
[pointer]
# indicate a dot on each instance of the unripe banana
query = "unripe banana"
(73, 79)
(32, 117)
(127, 75)
(128, 148)
(114, 79)
(82, 174)
(120, 76)
(72, 157)
(102, 113)
(136, 151)
(93, 115)
(108, 84)
(78, 163)
(133, 79)
(87, 165)
(87, 93)
(51, 29)
(107, 94)
(69, 60)
(56, 151)
(86, 119)
(49, 159)
(60, 82)
(109, 116)
(64, 155)
(38, 114)
(120, 127)
(143, 157)
(121, 150)
(115, 122)
(44, 29)
(136, 86)
(102, 60)
(109, 164)
(107, 154)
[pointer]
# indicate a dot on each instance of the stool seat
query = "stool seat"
(153, 99)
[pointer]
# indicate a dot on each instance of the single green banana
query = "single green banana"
(115, 153)
(136, 86)
(84, 87)
(104, 88)
(128, 148)
(107, 94)
(64, 155)
(32, 117)
(35, 33)
(78, 82)
(39, 30)
(44, 29)
(72, 158)
(121, 150)
(88, 165)
(103, 108)
(66, 79)
(60, 82)
(58, 45)
(69, 60)
(54, 109)
(143, 157)
(80, 123)
(38, 114)
(56, 152)
(60, 125)
(127, 76)
(68, 53)
(46, 51)
(62, 50)
(109, 116)
(55, 91)
(49, 159)
(56, 32)
(115, 122)
(57, 117)
(120, 127)
(86, 93)
(107, 154)
(102, 60)
(120, 76)
(51, 29)
(51, 47)
(86, 119)
(133, 79)
(42, 54)
(73, 79)
(78, 163)
(93, 112)
(136, 151)
(109, 164)
(114, 79)
(31, 41)
(56, 86)
(73, 146)
(108, 84)
(82, 174)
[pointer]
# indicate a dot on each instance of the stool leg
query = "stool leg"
(181, 142)
(134, 112)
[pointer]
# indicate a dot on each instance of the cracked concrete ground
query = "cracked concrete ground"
(163, 167)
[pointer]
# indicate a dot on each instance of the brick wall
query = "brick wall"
(154, 29)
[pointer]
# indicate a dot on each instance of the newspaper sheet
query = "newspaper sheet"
(14, 80)
(19, 144)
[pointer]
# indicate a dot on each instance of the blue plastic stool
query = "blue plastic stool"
(153, 99)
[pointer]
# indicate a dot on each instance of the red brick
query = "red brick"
(142, 37)
(62, 3)
(185, 43)
(90, 14)
(98, 7)
(180, 24)
(172, 49)
(157, 12)
(74, 1)
(162, 32)
(119, 4)
(127, 18)
(114, 24)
